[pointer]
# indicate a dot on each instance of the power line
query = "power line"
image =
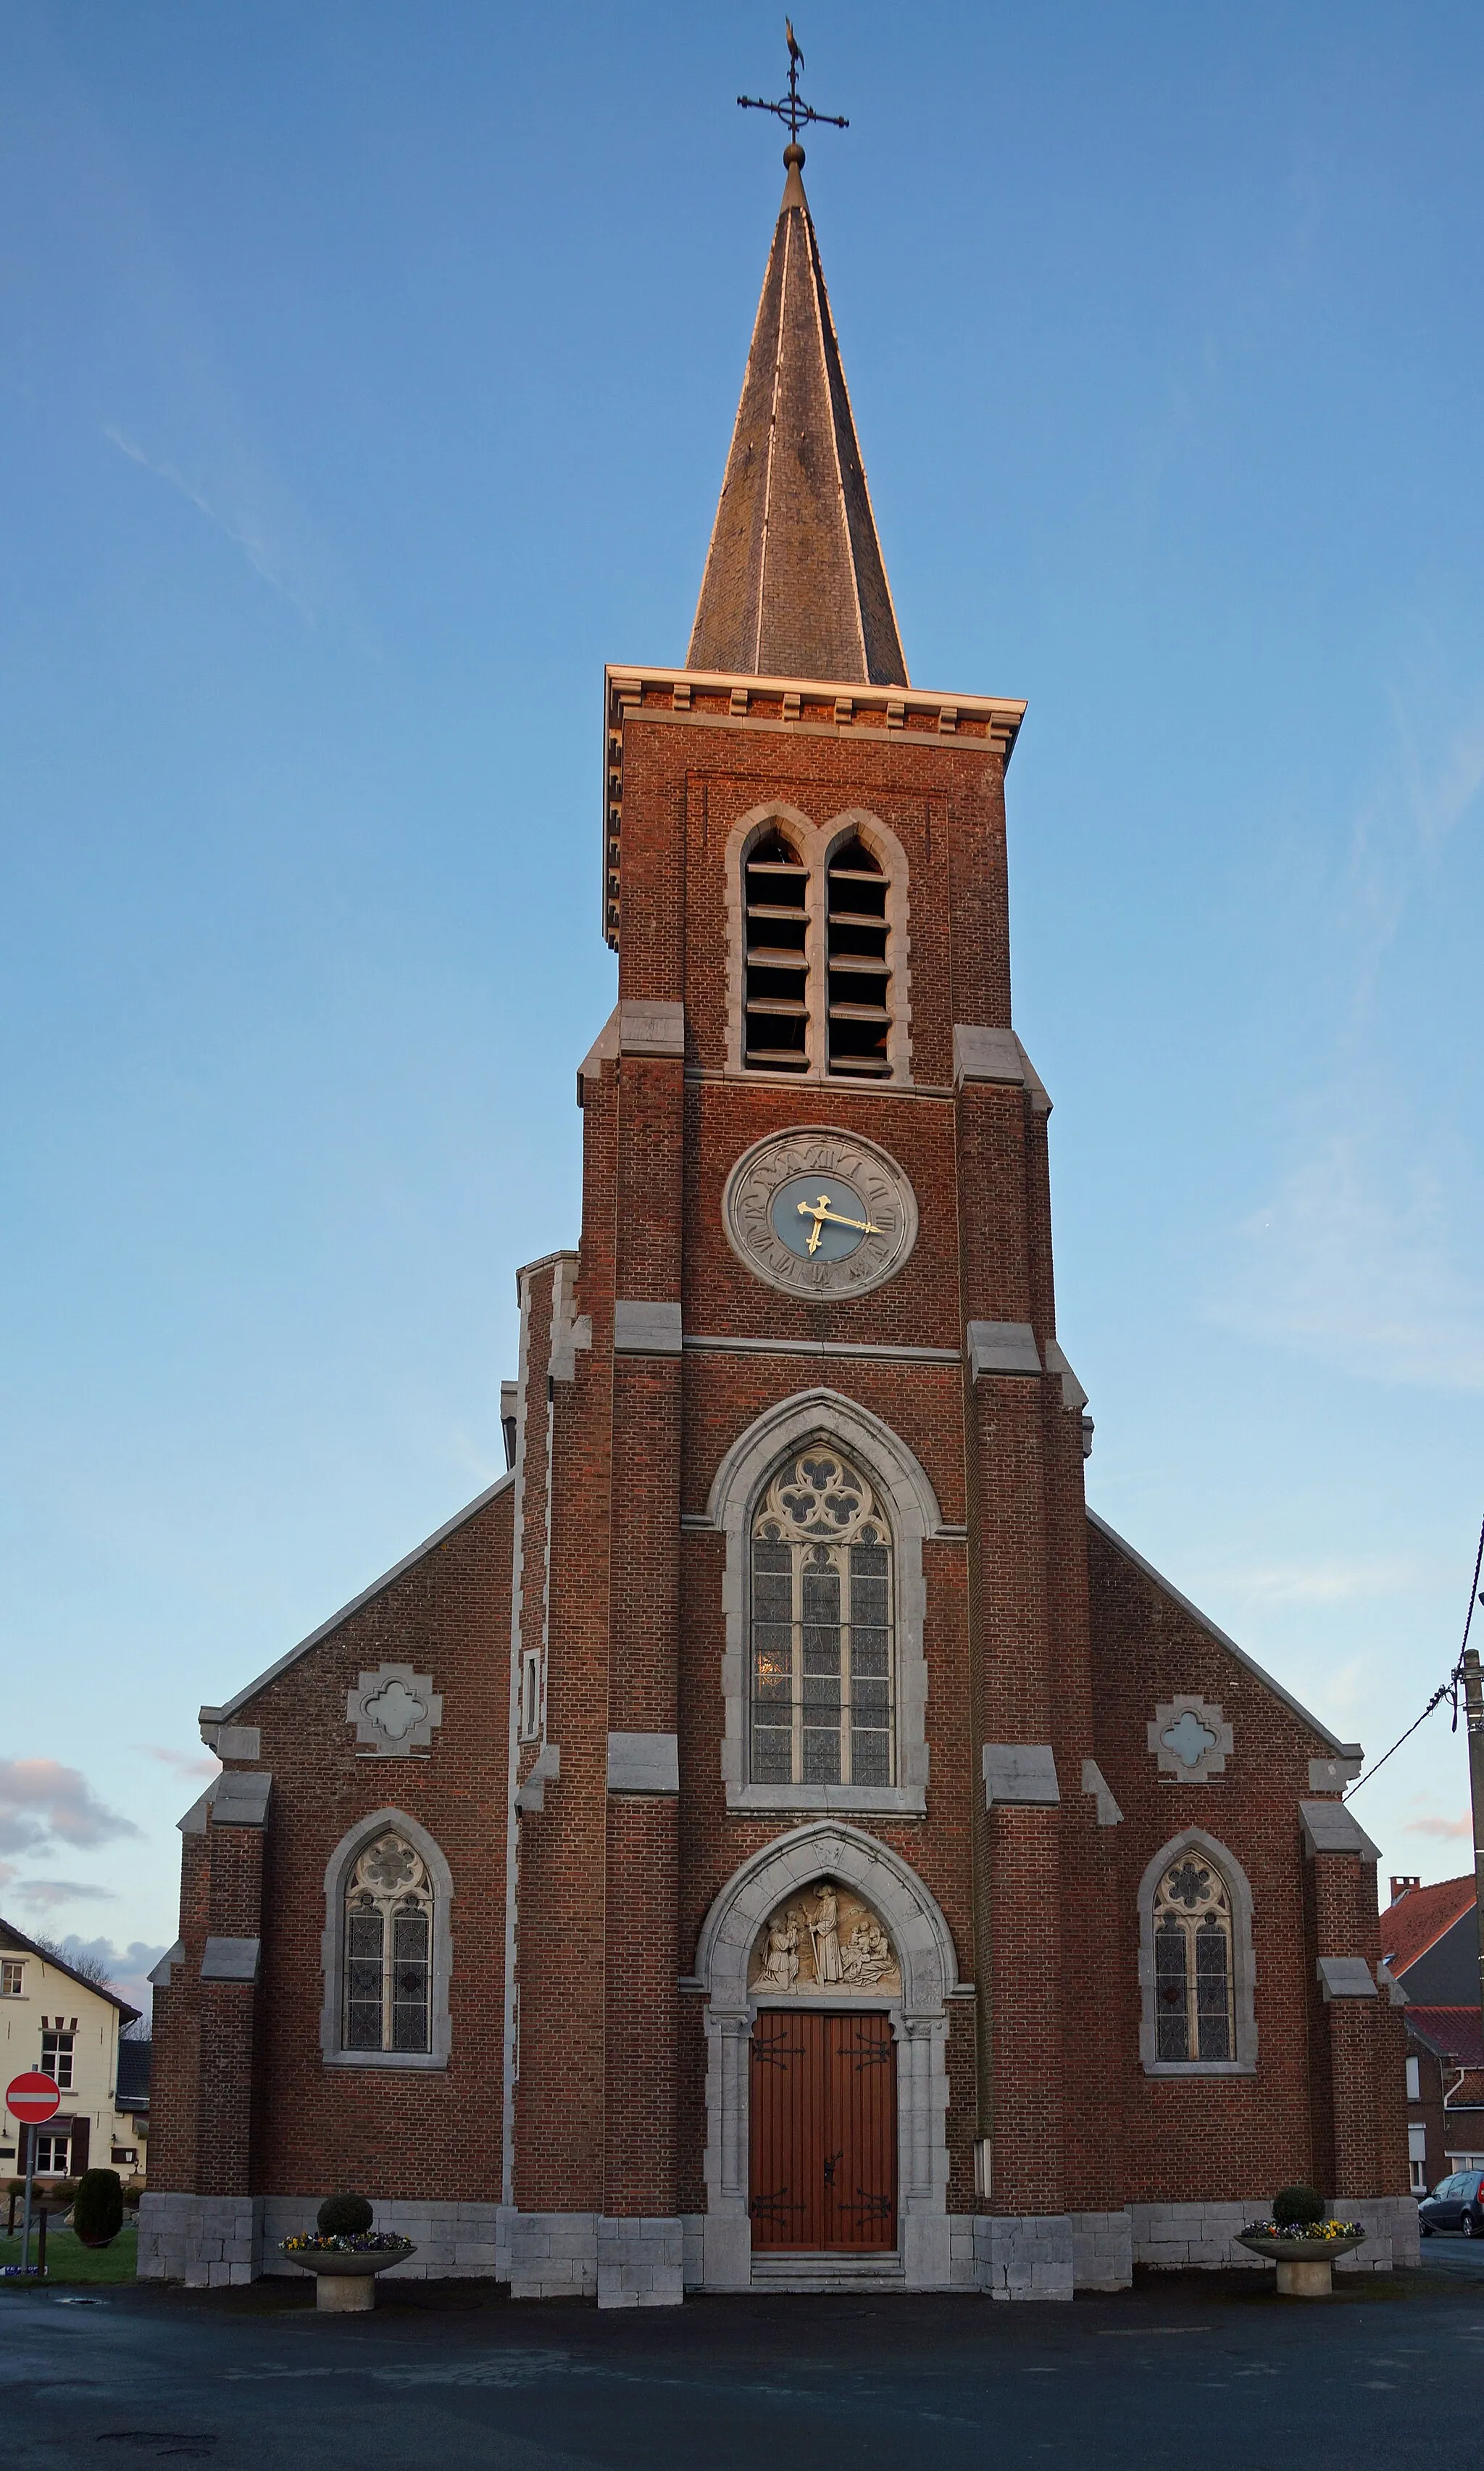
(1447, 1689)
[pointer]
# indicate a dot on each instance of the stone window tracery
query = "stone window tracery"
(823, 1678)
(388, 1950)
(1193, 1963)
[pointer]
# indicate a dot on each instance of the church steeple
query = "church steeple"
(795, 585)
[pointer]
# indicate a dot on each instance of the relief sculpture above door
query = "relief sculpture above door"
(826, 1941)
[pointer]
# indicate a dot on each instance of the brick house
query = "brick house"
(776, 1836)
(1430, 1944)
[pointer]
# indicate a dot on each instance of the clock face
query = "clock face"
(821, 1217)
(816, 1213)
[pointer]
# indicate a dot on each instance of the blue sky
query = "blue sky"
(366, 383)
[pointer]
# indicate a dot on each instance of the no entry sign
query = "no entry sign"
(33, 2096)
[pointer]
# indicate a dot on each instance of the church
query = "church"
(776, 1837)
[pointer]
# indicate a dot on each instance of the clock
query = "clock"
(819, 1213)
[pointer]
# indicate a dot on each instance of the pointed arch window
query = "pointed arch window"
(859, 972)
(775, 1015)
(823, 1662)
(388, 1950)
(1194, 1969)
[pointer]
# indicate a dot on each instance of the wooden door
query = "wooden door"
(824, 2132)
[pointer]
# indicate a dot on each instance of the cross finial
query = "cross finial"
(792, 107)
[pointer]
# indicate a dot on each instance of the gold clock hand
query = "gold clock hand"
(819, 1213)
(822, 1214)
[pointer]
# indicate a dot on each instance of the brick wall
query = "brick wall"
(1038, 1631)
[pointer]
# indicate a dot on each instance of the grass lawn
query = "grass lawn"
(67, 2260)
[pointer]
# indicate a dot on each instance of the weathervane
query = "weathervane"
(792, 107)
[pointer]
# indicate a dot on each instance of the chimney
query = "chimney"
(1400, 1887)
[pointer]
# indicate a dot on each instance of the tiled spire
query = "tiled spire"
(795, 585)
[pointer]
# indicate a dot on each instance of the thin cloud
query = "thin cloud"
(1361, 1269)
(128, 1969)
(239, 530)
(49, 1896)
(41, 1801)
(204, 1765)
(1432, 1822)
(1322, 1582)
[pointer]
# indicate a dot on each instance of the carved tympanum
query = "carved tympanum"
(826, 1939)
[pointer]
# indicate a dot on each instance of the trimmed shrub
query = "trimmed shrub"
(98, 2208)
(1293, 2207)
(342, 2217)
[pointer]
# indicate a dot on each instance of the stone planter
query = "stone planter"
(1305, 2266)
(345, 2278)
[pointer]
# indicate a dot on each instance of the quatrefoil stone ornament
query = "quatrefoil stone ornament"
(394, 1712)
(1190, 1739)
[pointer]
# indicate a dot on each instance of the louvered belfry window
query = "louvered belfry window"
(821, 1628)
(776, 885)
(388, 1950)
(1192, 1961)
(859, 980)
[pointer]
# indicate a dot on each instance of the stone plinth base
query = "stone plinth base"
(551, 2256)
(1102, 2251)
(207, 2243)
(1392, 2233)
(1305, 2280)
(641, 2262)
(1023, 2256)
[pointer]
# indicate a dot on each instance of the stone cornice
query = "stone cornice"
(794, 707)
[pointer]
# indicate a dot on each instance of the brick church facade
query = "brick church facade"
(776, 1836)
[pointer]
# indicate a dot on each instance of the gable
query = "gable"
(1446, 1973)
(1137, 1613)
(381, 1597)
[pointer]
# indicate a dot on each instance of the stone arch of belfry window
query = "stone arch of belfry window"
(1195, 1962)
(387, 1984)
(818, 982)
(823, 1663)
(387, 1948)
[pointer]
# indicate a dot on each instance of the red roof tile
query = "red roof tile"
(1453, 2033)
(1418, 1920)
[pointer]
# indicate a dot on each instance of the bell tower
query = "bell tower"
(776, 1837)
(816, 1213)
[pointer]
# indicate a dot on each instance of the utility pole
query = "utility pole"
(1473, 1710)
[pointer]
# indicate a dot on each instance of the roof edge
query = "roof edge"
(1444, 1927)
(1348, 1750)
(250, 1689)
(49, 1956)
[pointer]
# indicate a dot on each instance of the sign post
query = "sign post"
(33, 2099)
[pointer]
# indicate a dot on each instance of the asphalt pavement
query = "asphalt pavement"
(1203, 2368)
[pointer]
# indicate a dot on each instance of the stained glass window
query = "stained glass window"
(1193, 1963)
(822, 1698)
(388, 1950)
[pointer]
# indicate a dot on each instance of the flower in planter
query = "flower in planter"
(1326, 2230)
(342, 2243)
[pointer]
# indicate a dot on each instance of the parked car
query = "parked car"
(1455, 2204)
